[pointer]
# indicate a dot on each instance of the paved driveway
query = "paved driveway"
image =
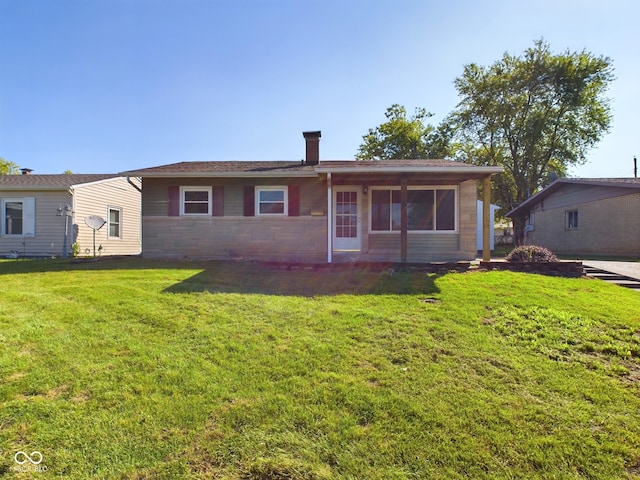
(628, 269)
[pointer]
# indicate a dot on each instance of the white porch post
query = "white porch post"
(329, 219)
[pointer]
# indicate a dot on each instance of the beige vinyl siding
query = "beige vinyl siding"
(95, 199)
(49, 228)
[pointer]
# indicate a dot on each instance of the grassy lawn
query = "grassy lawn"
(134, 369)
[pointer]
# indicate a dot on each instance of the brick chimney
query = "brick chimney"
(26, 171)
(312, 140)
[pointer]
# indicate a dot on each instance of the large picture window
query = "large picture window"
(195, 200)
(428, 209)
(271, 200)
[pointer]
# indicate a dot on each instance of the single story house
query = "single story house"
(585, 216)
(311, 210)
(39, 213)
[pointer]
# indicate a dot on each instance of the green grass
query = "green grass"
(134, 369)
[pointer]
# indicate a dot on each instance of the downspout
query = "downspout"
(75, 228)
(133, 184)
(140, 217)
(329, 219)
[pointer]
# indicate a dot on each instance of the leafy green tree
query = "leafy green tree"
(402, 137)
(7, 167)
(535, 115)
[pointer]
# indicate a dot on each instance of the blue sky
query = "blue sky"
(109, 85)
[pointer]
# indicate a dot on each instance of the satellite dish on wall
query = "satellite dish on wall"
(95, 223)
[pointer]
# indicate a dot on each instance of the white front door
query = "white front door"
(346, 218)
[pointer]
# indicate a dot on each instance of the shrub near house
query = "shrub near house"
(531, 253)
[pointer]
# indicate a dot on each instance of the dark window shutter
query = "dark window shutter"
(174, 201)
(217, 205)
(294, 200)
(249, 201)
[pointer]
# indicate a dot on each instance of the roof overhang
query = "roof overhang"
(51, 182)
(292, 170)
(309, 174)
(470, 170)
(39, 188)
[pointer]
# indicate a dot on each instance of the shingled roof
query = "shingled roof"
(631, 183)
(225, 168)
(301, 169)
(59, 181)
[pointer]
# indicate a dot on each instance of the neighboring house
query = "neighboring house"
(503, 233)
(492, 221)
(36, 208)
(312, 211)
(585, 216)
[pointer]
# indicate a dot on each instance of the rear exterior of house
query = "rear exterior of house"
(312, 211)
(597, 216)
(36, 208)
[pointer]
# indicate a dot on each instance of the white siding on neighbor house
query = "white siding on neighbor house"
(48, 231)
(95, 199)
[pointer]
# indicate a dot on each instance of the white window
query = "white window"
(531, 221)
(572, 220)
(428, 209)
(115, 222)
(271, 201)
(18, 216)
(195, 200)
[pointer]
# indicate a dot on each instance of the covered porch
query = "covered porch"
(405, 211)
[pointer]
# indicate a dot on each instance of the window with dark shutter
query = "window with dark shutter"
(217, 209)
(249, 201)
(294, 200)
(174, 201)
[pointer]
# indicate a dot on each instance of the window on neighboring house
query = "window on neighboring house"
(13, 217)
(432, 209)
(572, 220)
(531, 221)
(195, 200)
(18, 216)
(115, 222)
(271, 200)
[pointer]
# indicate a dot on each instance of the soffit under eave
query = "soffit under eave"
(395, 179)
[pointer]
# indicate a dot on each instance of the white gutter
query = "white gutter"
(135, 173)
(329, 219)
(407, 169)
